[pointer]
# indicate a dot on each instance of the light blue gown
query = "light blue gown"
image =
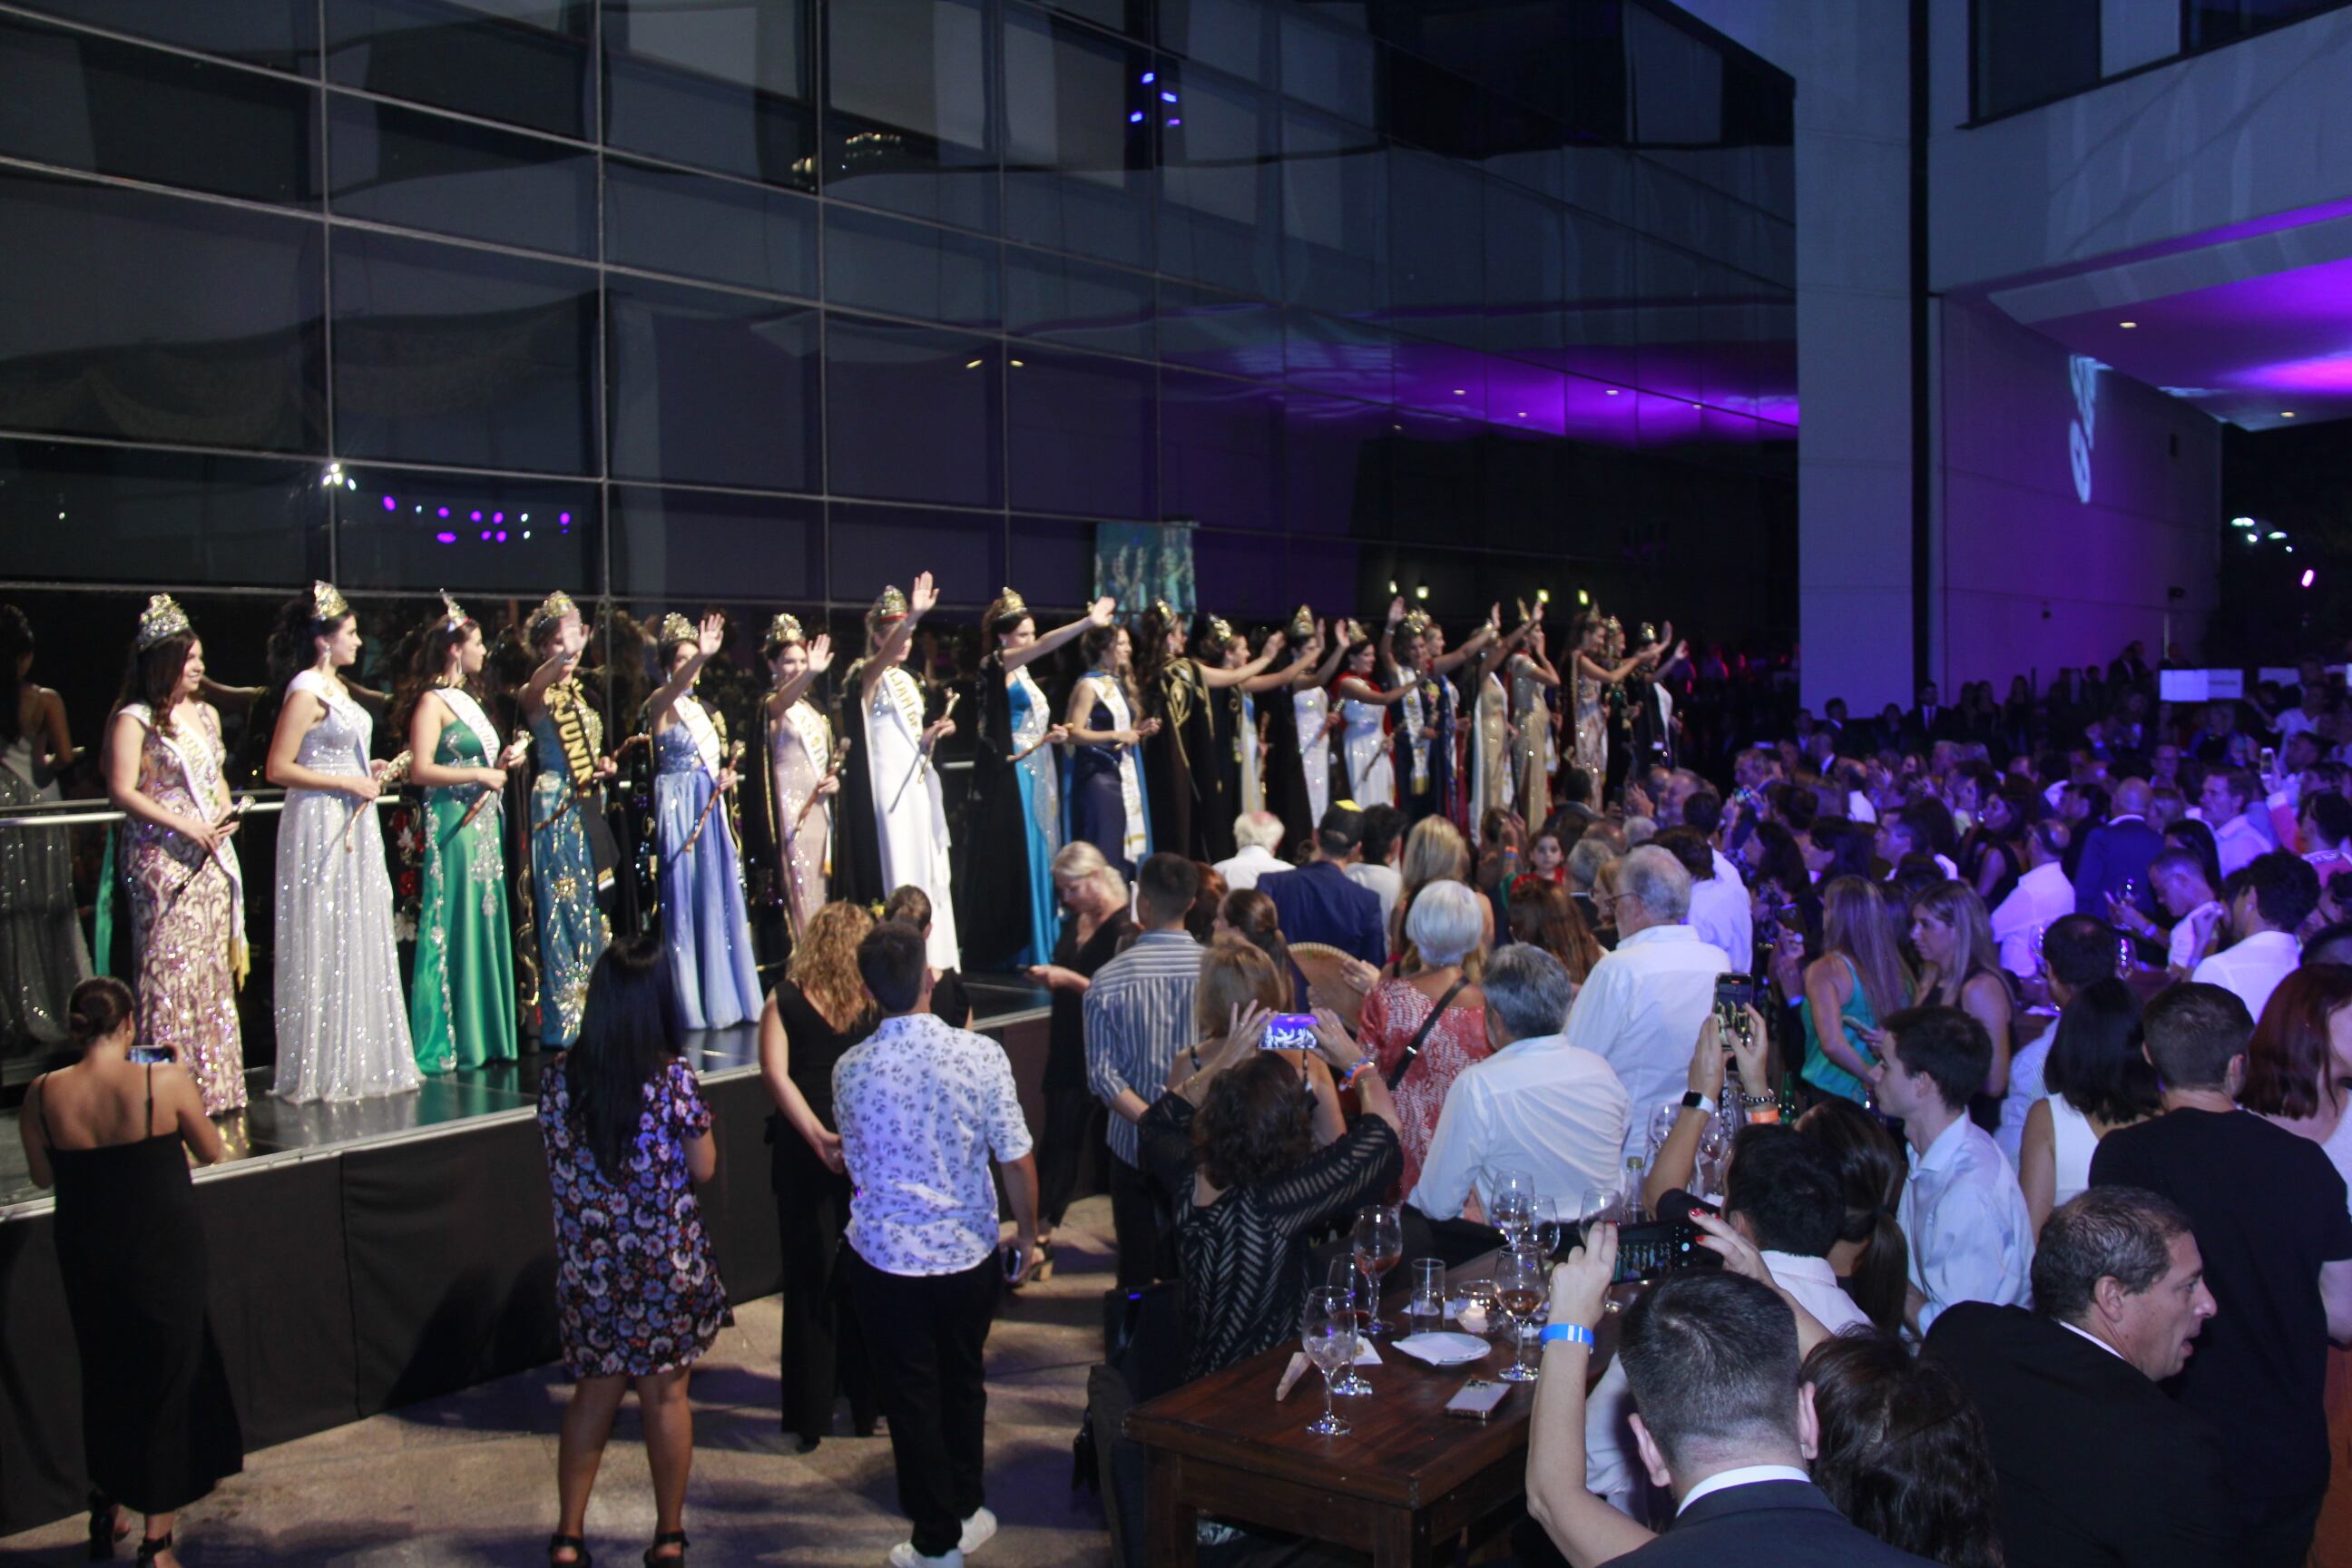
(702, 919)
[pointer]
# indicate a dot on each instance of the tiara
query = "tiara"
(455, 614)
(1414, 623)
(551, 609)
(1167, 614)
(1302, 625)
(326, 604)
(891, 605)
(784, 628)
(677, 629)
(1220, 630)
(162, 619)
(1009, 607)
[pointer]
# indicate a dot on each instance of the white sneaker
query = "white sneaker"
(904, 1555)
(978, 1530)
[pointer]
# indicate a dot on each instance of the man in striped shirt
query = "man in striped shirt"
(1138, 1015)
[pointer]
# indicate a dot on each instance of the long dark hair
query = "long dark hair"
(2096, 1060)
(433, 643)
(1256, 1124)
(2290, 1061)
(629, 1031)
(293, 646)
(16, 642)
(151, 676)
(1904, 1453)
(1255, 920)
(1871, 1172)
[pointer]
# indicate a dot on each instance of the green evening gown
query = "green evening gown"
(461, 1005)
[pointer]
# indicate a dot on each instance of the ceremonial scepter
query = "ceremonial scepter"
(734, 755)
(236, 813)
(923, 763)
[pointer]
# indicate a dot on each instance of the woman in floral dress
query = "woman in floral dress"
(638, 1293)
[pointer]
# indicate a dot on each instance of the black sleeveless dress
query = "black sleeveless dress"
(158, 1425)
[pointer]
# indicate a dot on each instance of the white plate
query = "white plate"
(1444, 1349)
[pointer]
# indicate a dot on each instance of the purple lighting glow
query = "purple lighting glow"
(444, 538)
(391, 504)
(441, 511)
(477, 517)
(2307, 576)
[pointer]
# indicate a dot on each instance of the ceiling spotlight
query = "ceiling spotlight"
(2306, 576)
(1461, 392)
(1421, 592)
(1610, 392)
(1392, 588)
(2241, 522)
(2127, 326)
(2275, 534)
(1543, 595)
(1583, 597)
(2286, 413)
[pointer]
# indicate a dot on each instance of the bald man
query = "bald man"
(2114, 860)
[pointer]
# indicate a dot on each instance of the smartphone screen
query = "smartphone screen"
(1732, 994)
(150, 1055)
(1288, 1032)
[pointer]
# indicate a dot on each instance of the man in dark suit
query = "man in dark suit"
(1318, 903)
(1930, 720)
(1725, 1423)
(2098, 1464)
(2115, 853)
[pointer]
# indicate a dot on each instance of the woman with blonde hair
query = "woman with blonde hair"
(1959, 966)
(1434, 851)
(1095, 926)
(819, 1011)
(1859, 979)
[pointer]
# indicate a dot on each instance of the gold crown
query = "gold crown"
(162, 619)
(454, 614)
(891, 605)
(326, 604)
(1009, 607)
(784, 628)
(551, 609)
(1220, 630)
(1414, 623)
(677, 629)
(1302, 625)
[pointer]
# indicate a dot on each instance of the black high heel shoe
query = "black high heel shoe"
(669, 1538)
(571, 1543)
(153, 1546)
(106, 1528)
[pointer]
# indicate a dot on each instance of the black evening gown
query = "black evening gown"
(857, 841)
(992, 878)
(823, 1354)
(1182, 782)
(1285, 773)
(158, 1425)
(1073, 1114)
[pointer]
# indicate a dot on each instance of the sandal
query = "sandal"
(669, 1538)
(574, 1544)
(107, 1527)
(153, 1546)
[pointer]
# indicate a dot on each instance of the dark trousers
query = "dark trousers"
(1072, 1112)
(924, 1337)
(824, 1351)
(2278, 1533)
(1135, 1216)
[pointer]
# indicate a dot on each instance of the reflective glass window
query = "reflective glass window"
(1077, 303)
(523, 61)
(2028, 53)
(1130, 16)
(873, 545)
(720, 84)
(1327, 353)
(1218, 222)
(1220, 449)
(1436, 235)
(1335, 211)
(1228, 332)
(1331, 67)
(878, 263)
(411, 169)
(86, 513)
(280, 34)
(155, 318)
(1432, 108)
(1080, 432)
(82, 101)
(666, 220)
(445, 355)
(673, 544)
(1332, 460)
(1081, 119)
(913, 413)
(1437, 471)
(907, 126)
(1525, 274)
(1051, 559)
(1245, 585)
(1235, 36)
(713, 388)
(402, 528)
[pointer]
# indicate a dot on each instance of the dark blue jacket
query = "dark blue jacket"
(1318, 903)
(2117, 852)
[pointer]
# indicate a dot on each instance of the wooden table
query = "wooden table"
(1402, 1486)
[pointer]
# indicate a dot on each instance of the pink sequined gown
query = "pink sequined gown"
(184, 912)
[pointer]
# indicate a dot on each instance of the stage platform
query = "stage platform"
(366, 1255)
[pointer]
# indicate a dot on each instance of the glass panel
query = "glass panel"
(448, 355)
(1352, 358)
(1080, 433)
(280, 34)
(913, 413)
(1525, 280)
(1329, 68)
(1333, 214)
(1220, 451)
(669, 543)
(1676, 84)
(86, 102)
(1052, 560)
(88, 513)
(1436, 469)
(878, 263)
(159, 319)
(414, 169)
(1220, 332)
(2210, 24)
(1072, 302)
(398, 529)
(1434, 108)
(1332, 460)
(666, 220)
(874, 545)
(1438, 378)
(1130, 16)
(720, 84)
(525, 61)
(1217, 216)
(713, 388)
(907, 126)
(2027, 51)
(1436, 283)
(1235, 36)
(1081, 114)
(1242, 584)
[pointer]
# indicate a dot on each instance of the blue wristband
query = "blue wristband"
(1574, 1333)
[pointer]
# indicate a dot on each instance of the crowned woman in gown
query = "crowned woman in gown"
(343, 1021)
(894, 817)
(1010, 917)
(567, 737)
(1190, 813)
(1108, 807)
(461, 994)
(804, 769)
(704, 927)
(1298, 727)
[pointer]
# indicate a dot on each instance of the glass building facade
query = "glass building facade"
(767, 303)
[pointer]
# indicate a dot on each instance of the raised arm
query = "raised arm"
(1488, 631)
(820, 660)
(1358, 690)
(1097, 614)
(922, 599)
(1498, 652)
(1586, 1529)
(1387, 646)
(1333, 652)
(1217, 679)
(707, 637)
(555, 668)
(1286, 678)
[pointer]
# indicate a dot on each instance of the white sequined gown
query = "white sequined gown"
(343, 1023)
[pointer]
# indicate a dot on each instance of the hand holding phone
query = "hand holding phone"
(1288, 1032)
(150, 1056)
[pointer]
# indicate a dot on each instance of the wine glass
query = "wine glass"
(1519, 1292)
(1379, 1243)
(1661, 1126)
(1424, 1309)
(1548, 1224)
(1353, 1288)
(1714, 1147)
(1513, 1206)
(1328, 1333)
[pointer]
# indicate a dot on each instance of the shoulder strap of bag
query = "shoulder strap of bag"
(1420, 1035)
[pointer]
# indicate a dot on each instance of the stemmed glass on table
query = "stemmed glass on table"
(1379, 1242)
(1519, 1291)
(1330, 1335)
(1549, 1227)
(1511, 1209)
(1354, 1289)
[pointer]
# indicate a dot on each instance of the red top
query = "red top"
(1391, 1015)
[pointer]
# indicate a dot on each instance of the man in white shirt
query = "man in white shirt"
(2198, 918)
(2076, 951)
(1259, 834)
(1643, 1005)
(2227, 794)
(2042, 897)
(922, 1109)
(1971, 1238)
(2269, 898)
(1720, 909)
(1376, 866)
(1538, 1104)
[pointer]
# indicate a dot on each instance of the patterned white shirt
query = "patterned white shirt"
(922, 1109)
